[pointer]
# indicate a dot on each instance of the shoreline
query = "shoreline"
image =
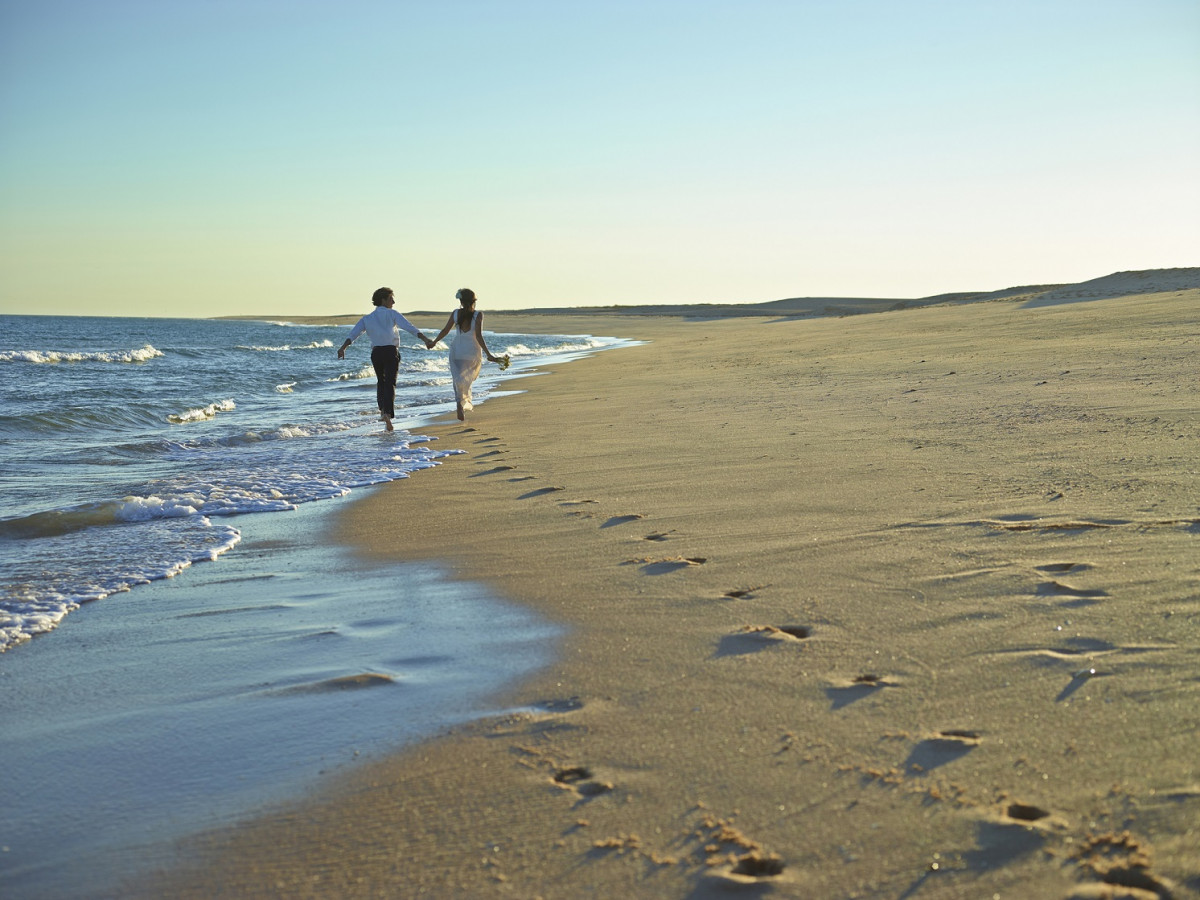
(829, 586)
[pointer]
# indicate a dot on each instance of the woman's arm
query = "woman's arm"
(479, 337)
(404, 325)
(445, 331)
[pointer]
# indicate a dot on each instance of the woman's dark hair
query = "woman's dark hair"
(466, 297)
(381, 295)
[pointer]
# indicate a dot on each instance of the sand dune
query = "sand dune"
(1121, 284)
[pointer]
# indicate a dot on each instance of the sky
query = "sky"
(287, 157)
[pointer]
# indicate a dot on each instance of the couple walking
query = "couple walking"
(383, 327)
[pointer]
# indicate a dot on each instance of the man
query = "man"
(383, 328)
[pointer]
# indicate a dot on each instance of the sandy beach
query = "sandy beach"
(898, 604)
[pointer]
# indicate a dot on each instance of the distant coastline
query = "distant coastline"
(1143, 281)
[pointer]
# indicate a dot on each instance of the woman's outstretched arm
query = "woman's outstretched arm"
(445, 331)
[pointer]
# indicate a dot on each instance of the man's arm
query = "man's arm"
(412, 329)
(359, 327)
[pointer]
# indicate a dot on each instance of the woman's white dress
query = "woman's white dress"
(466, 357)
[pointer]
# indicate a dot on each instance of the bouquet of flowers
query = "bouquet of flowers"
(503, 362)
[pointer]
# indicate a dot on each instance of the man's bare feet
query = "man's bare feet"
(387, 422)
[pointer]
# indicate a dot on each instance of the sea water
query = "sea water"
(126, 443)
(137, 706)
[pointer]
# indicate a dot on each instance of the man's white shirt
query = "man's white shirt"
(381, 327)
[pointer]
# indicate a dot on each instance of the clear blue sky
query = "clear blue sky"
(206, 157)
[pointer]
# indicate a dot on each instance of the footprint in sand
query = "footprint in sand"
(539, 492)
(559, 705)
(621, 520)
(1012, 831)
(491, 453)
(1078, 680)
(846, 692)
(751, 872)
(582, 781)
(758, 865)
(490, 440)
(735, 860)
(664, 566)
(1119, 860)
(1025, 812)
(787, 632)
(658, 536)
(1061, 568)
(579, 508)
(753, 638)
(495, 470)
(941, 748)
(742, 593)
(1061, 589)
(1077, 655)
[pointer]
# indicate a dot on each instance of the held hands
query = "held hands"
(429, 345)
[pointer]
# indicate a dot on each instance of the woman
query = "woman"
(465, 348)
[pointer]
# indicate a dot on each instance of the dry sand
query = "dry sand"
(892, 605)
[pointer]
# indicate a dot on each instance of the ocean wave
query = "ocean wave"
(200, 500)
(80, 418)
(250, 484)
(314, 345)
(568, 345)
(53, 522)
(201, 414)
(179, 448)
(284, 432)
(285, 388)
(365, 372)
(429, 363)
(86, 569)
(56, 356)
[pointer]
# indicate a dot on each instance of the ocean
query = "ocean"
(177, 645)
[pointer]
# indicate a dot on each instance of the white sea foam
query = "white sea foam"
(429, 364)
(364, 372)
(568, 345)
(203, 413)
(314, 345)
(53, 356)
(285, 388)
(88, 566)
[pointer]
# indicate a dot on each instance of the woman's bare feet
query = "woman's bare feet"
(461, 415)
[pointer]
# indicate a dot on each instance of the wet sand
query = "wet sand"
(902, 604)
(237, 685)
